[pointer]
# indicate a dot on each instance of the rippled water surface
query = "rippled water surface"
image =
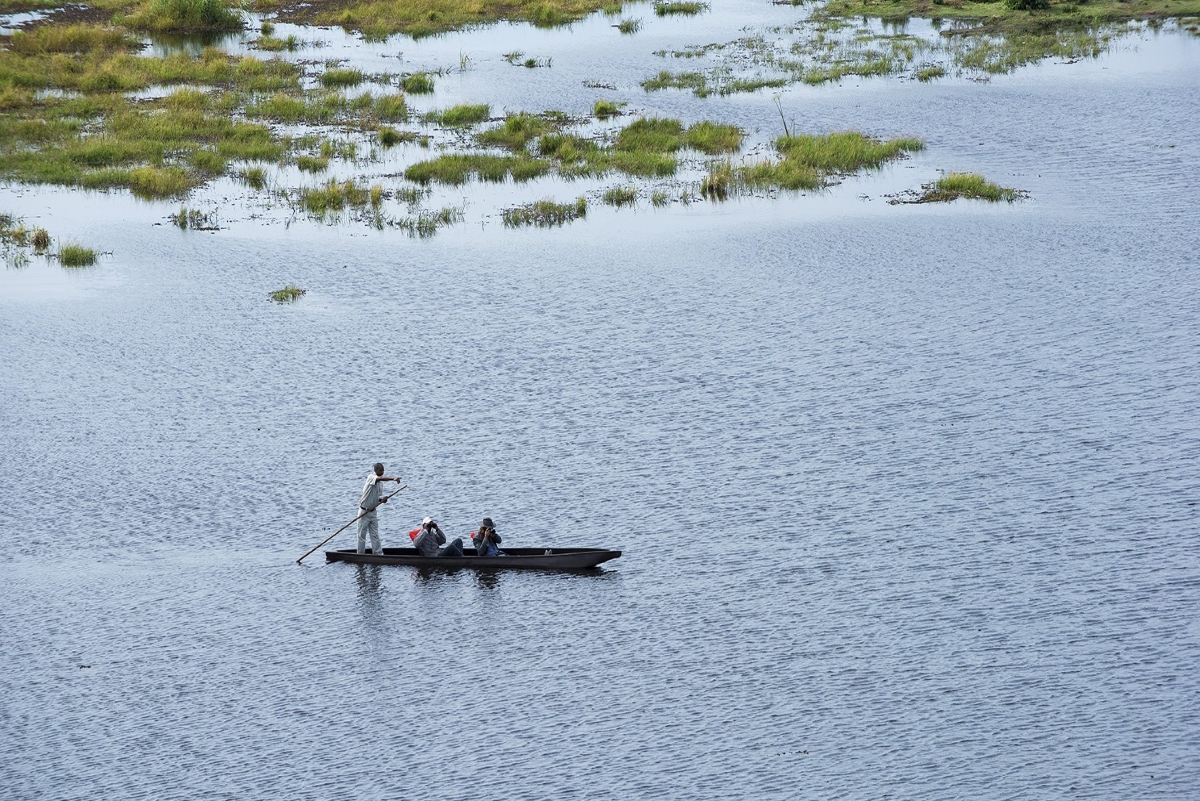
(907, 494)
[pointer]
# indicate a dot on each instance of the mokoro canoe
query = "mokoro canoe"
(540, 558)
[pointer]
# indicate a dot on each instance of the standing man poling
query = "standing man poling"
(367, 504)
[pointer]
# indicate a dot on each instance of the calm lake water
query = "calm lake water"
(908, 495)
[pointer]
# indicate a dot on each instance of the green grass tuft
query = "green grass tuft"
(342, 77)
(955, 185)
(545, 213)
(185, 16)
(606, 108)
(289, 294)
(420, 83)
(681, 7)
(76, 256)
(620, 196)
(629, 26)
(516, 132)
(461, 116)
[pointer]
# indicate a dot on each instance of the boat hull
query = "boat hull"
(517, 558)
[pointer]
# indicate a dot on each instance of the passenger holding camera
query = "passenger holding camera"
(486, 539)
(431, 536)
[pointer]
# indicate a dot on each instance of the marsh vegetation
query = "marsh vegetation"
(545, 213)
(955, 185)
(289, 294)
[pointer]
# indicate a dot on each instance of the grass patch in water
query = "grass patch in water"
(390, 137)
(333, 197)
(377, 19)
(312, 163)
(76, 256)
(184, 16)
(460, 116)
(618, 196)
(273, 45)
(809, 161)
(545, 213)
(254, 177)
(419, 83)
(289, 294)
(604, 109)
(682, 80)
(927, 74)
(629, 26)
(427, 223)
(195, 219)
(955, 185)
(679, 7)
(456, 168)
(517, 131)
(332, 78)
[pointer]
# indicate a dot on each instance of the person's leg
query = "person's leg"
(376, 545)
(362, 532)
(453, 548)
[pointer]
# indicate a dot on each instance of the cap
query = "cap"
(427, 521)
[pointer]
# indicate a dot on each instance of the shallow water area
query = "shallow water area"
(907, 495)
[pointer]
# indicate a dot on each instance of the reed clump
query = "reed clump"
(332, 78)
(629, 26)
(681, 80)
(955, 185)
(72, 255)
(420, 83)
(185, 16)
(545, 213)
(289, 294)
(618, 196)
(461, 116)
(196, 219)
(679, 7)
(421, 18)
(333, 198)
(604, 109)
(517, 131)
(455, 169)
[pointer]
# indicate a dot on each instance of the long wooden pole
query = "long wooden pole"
(348, 525)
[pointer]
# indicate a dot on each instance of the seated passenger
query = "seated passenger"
(431, 536)
(486, 539)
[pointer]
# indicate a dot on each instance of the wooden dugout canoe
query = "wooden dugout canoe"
(539, 558)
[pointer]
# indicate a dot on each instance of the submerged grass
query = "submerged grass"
(545, 213)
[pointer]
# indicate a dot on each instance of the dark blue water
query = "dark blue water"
(908, 495)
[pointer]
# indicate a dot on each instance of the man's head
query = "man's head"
(379, 468)
(427, 522)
